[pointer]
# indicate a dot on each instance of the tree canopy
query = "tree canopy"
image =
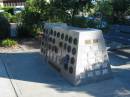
(59, 10)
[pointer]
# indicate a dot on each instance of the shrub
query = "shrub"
(15, 18)
(8, 9)
(83, 22)
(11, 18)
(8, 43)
(4, 27)
(29, 24)
(79, 22)
(7, 15)
(91, 23)
(24, 31)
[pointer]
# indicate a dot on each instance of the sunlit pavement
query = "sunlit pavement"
(32, 77)
(6, 88)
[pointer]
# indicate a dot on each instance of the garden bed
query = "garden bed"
(22, 45)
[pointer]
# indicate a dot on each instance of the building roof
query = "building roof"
(13, 0)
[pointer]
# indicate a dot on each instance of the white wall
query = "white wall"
(1, 4)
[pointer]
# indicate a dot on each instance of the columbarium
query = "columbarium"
(78, 54)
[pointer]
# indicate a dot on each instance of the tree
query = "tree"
(61, 10)
(120, 8)
(114, 10)
(53, 11)
(67, 9)
(105, 7)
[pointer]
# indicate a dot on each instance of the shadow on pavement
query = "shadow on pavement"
(121, 58)
(118, 58)
(33, 68)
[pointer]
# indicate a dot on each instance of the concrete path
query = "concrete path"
(6, 88)
(32, 77)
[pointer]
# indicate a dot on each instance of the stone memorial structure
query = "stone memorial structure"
(78, 54)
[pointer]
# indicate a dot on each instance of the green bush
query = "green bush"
(7, 15)
(11, 18)
(82, 22)
(8, 9)
(24, 31)
(8, 43)
(91, 23)
(4, 27)
(79, 22)
(29, 24)
(30, 17)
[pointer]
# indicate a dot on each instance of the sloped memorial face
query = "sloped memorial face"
(78, 54)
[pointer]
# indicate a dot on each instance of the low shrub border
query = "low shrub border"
(8, 43)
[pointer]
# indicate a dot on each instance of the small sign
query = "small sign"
(95, 41)
(88, 41)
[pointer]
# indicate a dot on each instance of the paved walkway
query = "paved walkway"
(6, 88)
(32, 77)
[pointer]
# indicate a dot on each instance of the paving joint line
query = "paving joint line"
(9, 76)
